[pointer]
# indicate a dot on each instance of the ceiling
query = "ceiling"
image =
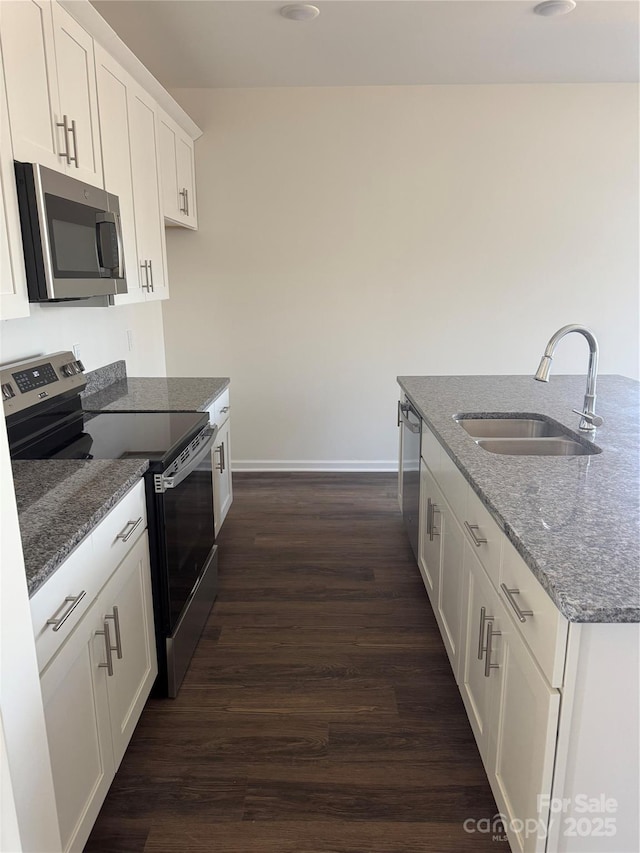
(246, 43)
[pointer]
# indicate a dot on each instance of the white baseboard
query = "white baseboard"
(313, 465)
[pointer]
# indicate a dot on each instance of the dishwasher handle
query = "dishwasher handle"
(403, 411)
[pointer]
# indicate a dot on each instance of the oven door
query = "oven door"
(186, 530)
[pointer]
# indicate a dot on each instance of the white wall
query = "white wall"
(100, 332)
(348, 235)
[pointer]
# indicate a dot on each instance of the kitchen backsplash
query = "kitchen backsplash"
(104, 376)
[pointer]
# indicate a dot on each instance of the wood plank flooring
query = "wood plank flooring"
(319, 714)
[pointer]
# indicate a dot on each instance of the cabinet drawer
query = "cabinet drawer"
(484, 535)
(116, 534)
(66, 596)
(222, 407)
(539, 621)
(453, 485)
(431, 450)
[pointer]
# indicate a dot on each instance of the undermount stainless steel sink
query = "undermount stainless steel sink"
(491, 427)
(536, 446)
(530, 435)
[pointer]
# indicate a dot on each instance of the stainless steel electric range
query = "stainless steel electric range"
(45, 420)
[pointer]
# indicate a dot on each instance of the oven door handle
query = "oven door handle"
(163, 483)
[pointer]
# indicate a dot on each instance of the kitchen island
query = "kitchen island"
(531, 566)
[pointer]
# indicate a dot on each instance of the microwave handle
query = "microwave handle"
(112, 220)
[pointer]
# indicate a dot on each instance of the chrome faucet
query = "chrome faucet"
(589, 419)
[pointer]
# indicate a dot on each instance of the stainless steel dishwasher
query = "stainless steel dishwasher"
(411, 424)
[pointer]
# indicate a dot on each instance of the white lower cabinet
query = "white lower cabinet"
(430, 533)
(512, 709)
(451, 582)
(94, 688)
(76, 708)
(127, 608)
(222, 485)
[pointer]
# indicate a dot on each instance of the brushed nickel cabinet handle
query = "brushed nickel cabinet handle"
(116, 624)
(488, 666)
(74, 136)
(151, 274)
(483, 620)
(108, 648)
(224, 410)
(74, 600)
(126, 535)
(183, 195)
(433, 532)
(64, 124)
(509, 593)
(477, 540)
(145, 266)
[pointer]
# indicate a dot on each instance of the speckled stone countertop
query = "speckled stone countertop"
(574, 519)
(61, 501)
(151, 394)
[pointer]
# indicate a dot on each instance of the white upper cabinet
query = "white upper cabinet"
(113, 103)
(26, 30)
(152, 262)
(178, 174)
(50, 77)
(78, 98)
(14, 301)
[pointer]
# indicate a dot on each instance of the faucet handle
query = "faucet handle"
(590, 417)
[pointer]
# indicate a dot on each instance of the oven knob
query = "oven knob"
(7, 391)
(79, 366)
(67, 369)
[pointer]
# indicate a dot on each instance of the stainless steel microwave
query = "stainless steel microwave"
(71, 236)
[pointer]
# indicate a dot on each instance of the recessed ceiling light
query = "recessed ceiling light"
(300, 12)
(551, 8)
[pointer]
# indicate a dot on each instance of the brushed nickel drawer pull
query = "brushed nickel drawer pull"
(509, 593)
(116, 624)
(108, 648)
(74, 600)
(488, 666)
(477, 540)
(484, 620)
(124, 535)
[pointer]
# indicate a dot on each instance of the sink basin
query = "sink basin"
(492, 427)
(537, 446)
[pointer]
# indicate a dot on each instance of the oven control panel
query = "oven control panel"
(35, 377)
(35, 380)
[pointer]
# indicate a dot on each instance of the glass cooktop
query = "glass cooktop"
(156, 436)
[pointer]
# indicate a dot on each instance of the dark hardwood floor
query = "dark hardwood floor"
(320, 712)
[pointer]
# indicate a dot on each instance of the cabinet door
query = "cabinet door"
(126, 605)
(523, 734)
(78, 98)
(26, 29)
(475, 685)
(186, 180)
(169, 169)
(146, 194)
(431, 534)
(113, 98)
(222, 483)
(74, 693)
(450, 592)
(14, 301)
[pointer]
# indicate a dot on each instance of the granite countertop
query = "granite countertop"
(575, 520)
(151, 394)
(61, 501)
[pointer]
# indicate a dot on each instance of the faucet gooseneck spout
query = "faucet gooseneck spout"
(589, 419)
